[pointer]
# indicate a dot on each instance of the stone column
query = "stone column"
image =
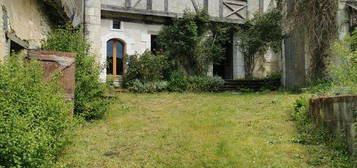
(92, 25)
(342, 20)
(238, 60)
(210, 70)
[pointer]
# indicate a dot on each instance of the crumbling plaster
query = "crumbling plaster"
(26, 21)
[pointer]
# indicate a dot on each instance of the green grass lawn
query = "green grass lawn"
(191, 130)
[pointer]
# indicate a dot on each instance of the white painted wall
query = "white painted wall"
(137, 37)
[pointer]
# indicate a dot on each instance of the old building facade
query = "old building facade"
(296, 57)
(24, 24)
(125, 27)
(128, 27)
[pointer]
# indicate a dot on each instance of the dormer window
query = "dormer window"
(116, 24)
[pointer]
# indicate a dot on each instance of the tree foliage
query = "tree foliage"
(193, 42)
(34, 116)
(317, 20)
(89, 91)
(258, 34)
(343, 66)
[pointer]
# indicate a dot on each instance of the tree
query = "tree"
(257, 35)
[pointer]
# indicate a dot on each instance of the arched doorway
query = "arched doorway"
(115, 57)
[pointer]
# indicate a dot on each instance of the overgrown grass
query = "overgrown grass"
(195, 130)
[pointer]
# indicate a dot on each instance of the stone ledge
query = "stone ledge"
(339, 115)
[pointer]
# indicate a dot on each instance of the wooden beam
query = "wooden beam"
(13, 37)
(261, 5)
(221, 8)
(166, 4)
(236, 12)
(114, 58)
(128, 3)
(195, 5)
(149, 5)
(137, 3)
(205, 4)
(120, 11)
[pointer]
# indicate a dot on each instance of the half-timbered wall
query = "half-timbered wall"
(140, 19)
(219, 10)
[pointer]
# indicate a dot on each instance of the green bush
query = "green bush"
(146, 67)
(343, 67)
(147, 87)
(205, 84)
(192, 42)
(300, 108)
(89, 93)
(33, 116)
(178, 82)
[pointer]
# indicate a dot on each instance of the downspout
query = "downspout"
(195, 5)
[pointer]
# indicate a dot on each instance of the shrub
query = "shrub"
(343, 67)
(33, 116)
(89, 93)
(300, 108)
(178, 82)
(205, 84)
(257, 35)
(147, 87)
(271, 81)
(146, 67)
(192, 42)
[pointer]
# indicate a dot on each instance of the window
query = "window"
(154, 45)
(116, 24)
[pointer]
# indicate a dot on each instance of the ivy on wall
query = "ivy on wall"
(257, 35)
(193, 42)
(317, 19)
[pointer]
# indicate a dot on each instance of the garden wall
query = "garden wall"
(339, 115)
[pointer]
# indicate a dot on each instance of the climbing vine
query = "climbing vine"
(257, 35)
(193, 42)
(317, 19)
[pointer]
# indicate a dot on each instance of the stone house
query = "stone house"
(124, 27)
(128, 27)
(24, 24)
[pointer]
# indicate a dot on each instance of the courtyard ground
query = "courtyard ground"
(192, 130)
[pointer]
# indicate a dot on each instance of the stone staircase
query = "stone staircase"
(251, 85)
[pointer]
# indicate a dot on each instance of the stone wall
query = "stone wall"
(28, 22)
(74, 10)
(137, 37)
(25, 21)
(296, 61)
(339, 115)
(136, 31)
(92, 25)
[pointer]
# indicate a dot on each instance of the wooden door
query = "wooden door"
(115, 57)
